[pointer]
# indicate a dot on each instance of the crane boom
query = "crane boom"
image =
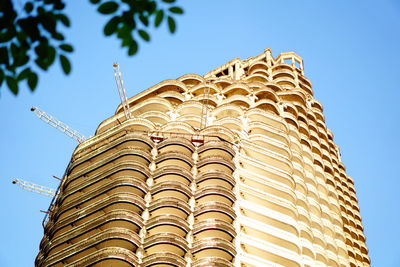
(45, 191)
(62, 127)
(121, 90)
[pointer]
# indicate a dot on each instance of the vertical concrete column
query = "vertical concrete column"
(147, 198)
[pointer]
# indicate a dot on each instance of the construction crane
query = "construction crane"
(121, 90)
(62, 127)
(45, 191)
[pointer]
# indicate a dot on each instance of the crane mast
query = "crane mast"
(121, 90)
(45, 191)
(62, 127)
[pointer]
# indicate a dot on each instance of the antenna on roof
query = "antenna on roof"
(121, 90)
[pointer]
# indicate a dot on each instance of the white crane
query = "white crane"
(62, 127)
(45, 191)
(121, 90)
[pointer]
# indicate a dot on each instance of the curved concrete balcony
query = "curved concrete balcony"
(216, 148)
(227, 110)
(233, 124)
(270, 201)
(162, 259)
(285, 82)
(214, 210)
(171, 189)
(270, 131)
(108, 204)
(214, 193)
(212, 262)
(111, 256)
(157, 117)
(209, 98)
(217, 178)
(257, 77)
(258, 65)
(136, 169)
(174, 159)
(85, 200)
(258, 71)
(191, 80)
(166, 242)
(215, 164)
(236, 88)
(101, 143)
(115, 237)
(122, 184)
(172, 173)
(238, 100)
(154, 103)
(260, 155)
(167, 223)
(213, 247)
(213, 228)
(173, 97)
(283, 73)
(266, 143)
(169, 205)
(269, 186)
(115, 219)
(117, 142)
(202, 87)
(130, 155)
(265, 92)
(306, 87)
(175, 144)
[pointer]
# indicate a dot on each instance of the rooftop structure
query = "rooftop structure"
(233, 168)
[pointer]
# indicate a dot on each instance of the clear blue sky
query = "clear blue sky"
(350, 50)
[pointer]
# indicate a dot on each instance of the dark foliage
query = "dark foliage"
(30, 39)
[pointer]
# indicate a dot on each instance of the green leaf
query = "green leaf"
(58, 5)
(128, 19)
(171, 24)
(108, 7)
(12, 85)
(4, 58)
(159, 17)
(41, 50)
(1, 76)
(58, 36)
(176, 10)
(64, 19)
(28, 7)
(145, 36)
(133, 48)
(48, 22)
(15, 51)
(65, 64)
(94, 1)
(168, 1)
(111, 26)
(32, 81)
(144, 20)
(66, 47)
(51, 55)
(22, 60)
(41, 63)
(24, 74)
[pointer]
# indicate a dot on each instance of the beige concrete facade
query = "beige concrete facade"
(233, 168)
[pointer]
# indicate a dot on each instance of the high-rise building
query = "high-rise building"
(233, 168)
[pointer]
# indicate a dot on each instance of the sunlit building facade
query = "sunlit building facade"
(233, 168)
